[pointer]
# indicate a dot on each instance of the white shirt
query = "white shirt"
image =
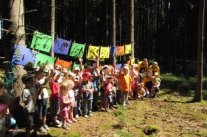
(29, 95)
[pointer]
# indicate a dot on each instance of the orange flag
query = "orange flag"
(63, 63)
(119, 50)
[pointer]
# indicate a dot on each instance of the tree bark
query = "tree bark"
(17, 17)
(52, 25)
(132, 28)
(114, 28)
(17, 28)
(201, 26)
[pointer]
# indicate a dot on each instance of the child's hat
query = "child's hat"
(86, 74)
(126, 67)
(77, 69)
(106, 67)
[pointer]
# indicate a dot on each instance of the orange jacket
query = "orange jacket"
(125, 82)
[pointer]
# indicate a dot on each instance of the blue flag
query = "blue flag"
(23, 55)
(61, 46)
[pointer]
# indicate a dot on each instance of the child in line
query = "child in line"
(77, 107)
(87, 90)
(141, 91)
(71, 95)
(42, 98)
(29, 100)
(125, 84)
(155, 84)
(147, 81)
(64, 103)
(54, 98)
(108, 93)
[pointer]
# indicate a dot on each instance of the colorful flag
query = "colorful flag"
(93, 52)
(112, 51)
(61, 46)
(104, 53)
(23, 55)
(63, 63)
(128, 49)
(77, 50)
(42, 59)
(41, 42)
(119, 50)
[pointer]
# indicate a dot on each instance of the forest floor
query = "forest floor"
(168, 115)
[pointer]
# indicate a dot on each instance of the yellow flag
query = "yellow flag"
(128, 49)
(104, 53)
(93, 52)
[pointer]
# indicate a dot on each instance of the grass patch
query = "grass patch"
(123, 116)
(202, 133)
(152, 129)
(123, 133)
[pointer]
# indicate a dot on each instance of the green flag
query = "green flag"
(77, 50)
(42, 59)
(41, 42)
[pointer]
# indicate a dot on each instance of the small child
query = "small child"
(42, 98)
(76, 89)
(108, 93)
(156, 84)
(64, 103)
(54, 99)
(135, 86)
(141, 91)
(29, 101)
(87, 90)
(71, 95)
(125, 84)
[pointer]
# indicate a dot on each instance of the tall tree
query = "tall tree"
(52, 25)
(17, 17)
(201, 26)
(17, 29)
(132, 27)
(114, 27)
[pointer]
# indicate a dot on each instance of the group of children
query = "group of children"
(78, 92)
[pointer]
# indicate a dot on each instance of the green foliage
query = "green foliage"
(185, 86)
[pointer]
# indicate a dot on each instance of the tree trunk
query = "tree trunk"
(52, 25)
(114, 28)
(132, 27)
(201, 19)
(17, 28)
(17, 17)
